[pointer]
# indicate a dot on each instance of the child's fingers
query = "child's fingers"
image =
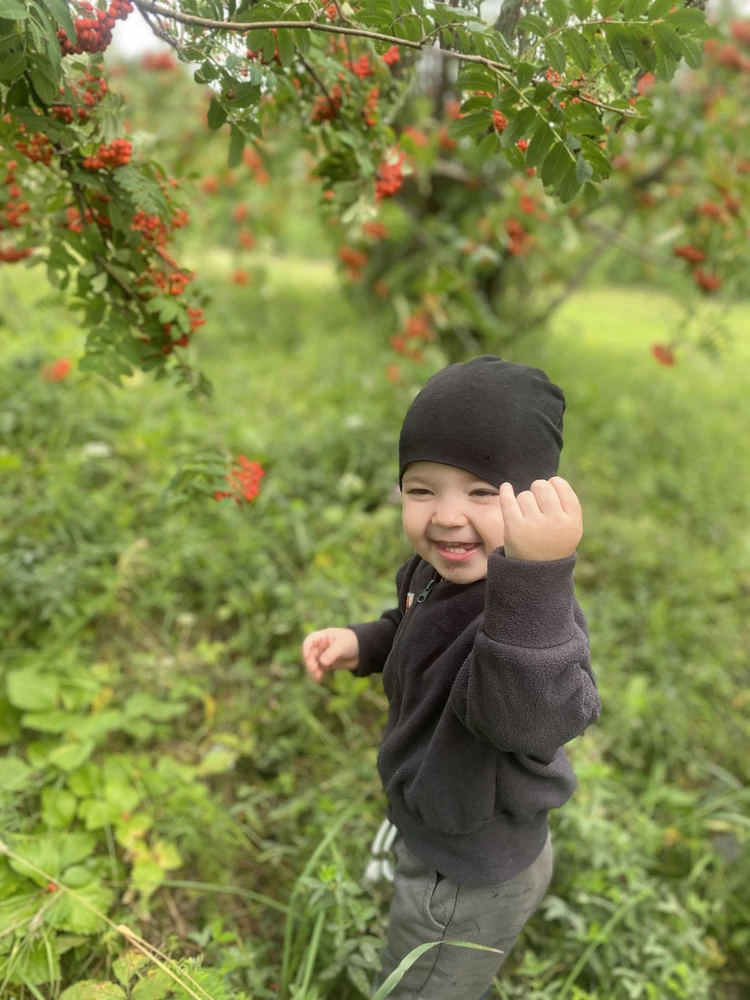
(568, 499)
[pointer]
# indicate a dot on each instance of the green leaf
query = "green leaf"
(619, 45)
(668, 39)
(596, 157)
(127, 965)
(542, 91)
(524, 74)
(93, 989)
(519, 127)
(46, 80)
(645, 57)
(554, 50)
(12, 10)
(666, 64)
(12, 65)
(236, 145)
(693, 52)
(155, 985)
(71, 913)
(285, 43)
(556, 163)
(582, 9)
(476, 103)
(69, 756)
(659, 8)
(473, 76)
(412, 27)
(584, 170)
(686, 17)
(634, 9)
(470, 125)
(217, 114)
(558, 11)
(13, 774)
(32, 691)
(61, 12)
(606, 8)
(614, 78)
(244, 95)
(534, 25)
(540, 143)
(579, 49)
(568, 186)
(58, 807)
(584, 123)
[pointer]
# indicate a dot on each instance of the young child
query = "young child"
(486, 666)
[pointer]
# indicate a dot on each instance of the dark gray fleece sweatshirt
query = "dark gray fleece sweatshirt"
(486, 682)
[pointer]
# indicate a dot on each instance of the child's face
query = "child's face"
(441, 503)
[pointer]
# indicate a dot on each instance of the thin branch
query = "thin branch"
(316, 78)
(630, 245)
(574, 282)
(203, 22)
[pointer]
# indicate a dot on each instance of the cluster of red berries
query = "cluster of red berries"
(417, 136)
(13, 255)
(155, 232)
(694, 256)
(116, 154)
(159, 62)
(418, 327)
(663, 354)
(519, 240)
(94, 34)
(11, 215)
(371, 103)
(245, 482)
(75, 221)
(353, 260)
(39, 151)
(499, 121)
(375, 229)
(173, 283)
(94, 90)
(326, 108)
(252, 159)
(361, 67)
(391, 55)
(727, 55)
(389, 178)
(689, 253)
(56, 371)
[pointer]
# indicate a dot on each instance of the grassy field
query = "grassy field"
(170, 762)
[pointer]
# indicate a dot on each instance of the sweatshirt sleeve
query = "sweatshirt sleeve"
(376, 638)
(527, 685)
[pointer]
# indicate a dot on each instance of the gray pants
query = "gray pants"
(428, 907)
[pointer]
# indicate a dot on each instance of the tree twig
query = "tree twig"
(244, 26)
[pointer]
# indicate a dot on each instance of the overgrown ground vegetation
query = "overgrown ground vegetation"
(166, 757)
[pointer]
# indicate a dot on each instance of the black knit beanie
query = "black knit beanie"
(499, 420)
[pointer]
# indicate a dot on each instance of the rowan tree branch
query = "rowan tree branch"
(204, 22)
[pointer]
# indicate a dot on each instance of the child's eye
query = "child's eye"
(487, 493)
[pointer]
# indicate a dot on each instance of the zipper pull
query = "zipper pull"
(423, 596)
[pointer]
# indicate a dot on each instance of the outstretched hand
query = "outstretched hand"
(544, 522)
